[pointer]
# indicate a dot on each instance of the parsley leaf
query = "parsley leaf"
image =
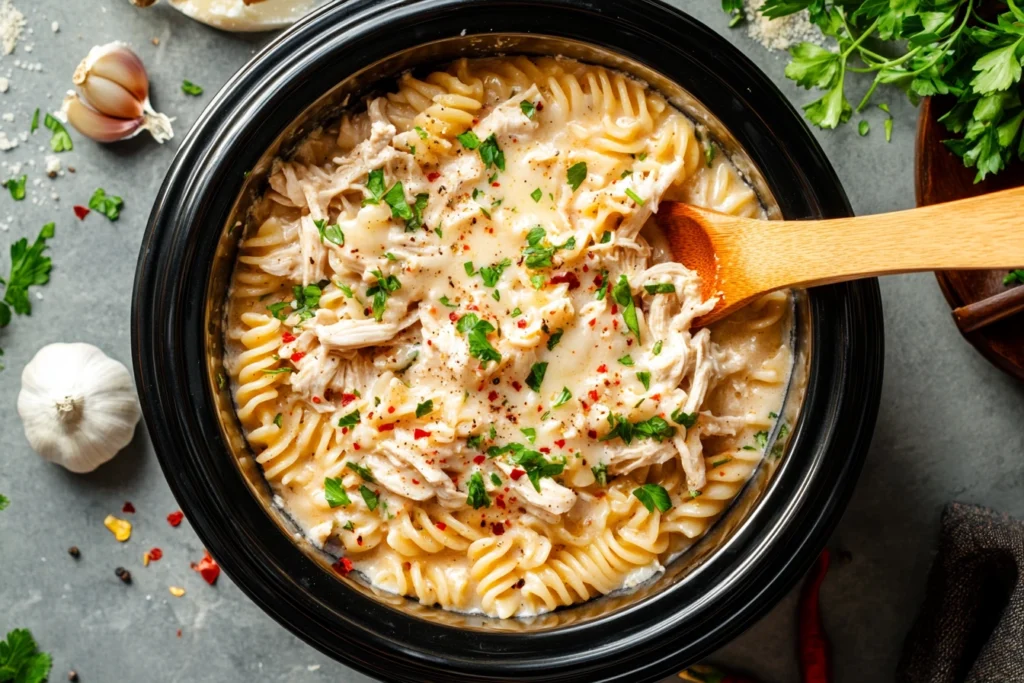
(536, 195)
(534, 464)
(447, 302)
(536, 377)
(35, 122)
(190, 88)
(363, 472)
(335, 493)
(576, 174)
(562, 398)
(60, 141)
(20, 659)
(425, 408)
(16, 186)
(660, 288)
(555, 337)
(645, 379)
(369, 497)
(469, 140)
(476, 492)
(108, 205)
(380, 292)
(333, 233)
(528, 108)
(685, 419)
(530, 433)
(375, 186)
(653, 496)
(491, 274)
(476, 332)
(623, 296)
(1014, 277)
(28, 267)
(491, 154)
(600, 474)
(626, 360)
(634, 196)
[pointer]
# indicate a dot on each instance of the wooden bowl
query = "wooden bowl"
(940, 176)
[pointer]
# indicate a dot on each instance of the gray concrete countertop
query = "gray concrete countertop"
(949, 427)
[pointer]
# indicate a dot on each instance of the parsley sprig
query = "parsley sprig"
(476, 332)
(941, 47)
(28, 267)
(21, 660)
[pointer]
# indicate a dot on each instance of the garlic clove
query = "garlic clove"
(117, 63)
(108, 97)
(99, 127)
(78, 406)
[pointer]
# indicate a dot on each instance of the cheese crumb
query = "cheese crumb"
(11, 23)
(52, 165)
(7, 143)
(782, 33)
(4, 84)
(55, 27)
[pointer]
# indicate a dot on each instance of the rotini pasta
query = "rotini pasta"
(459, 351)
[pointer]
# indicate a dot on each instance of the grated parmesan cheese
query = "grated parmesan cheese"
(11, 23)
(782, 33)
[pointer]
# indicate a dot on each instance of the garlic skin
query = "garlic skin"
(78, 406)
(112, 102)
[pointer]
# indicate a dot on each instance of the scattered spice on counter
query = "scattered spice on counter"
(122, 529)
(74, 552)
(128, 508)
(174, 519)
(175, 591)
(151, 556)
(123, 574)
(207, 568)
(72, 675)
(814, 649)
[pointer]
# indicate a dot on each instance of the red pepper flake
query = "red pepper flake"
(441, 525)
(356, 446)
(615, 309)
(656, 397)
(497, 529)
(297, 356)
(453, 317)
(495, 184)
(343, 566)
(516, 473)
(592, 434)
(560, 443)
(499, 500)
(174, 519)
(386, 427)
(416, 481)
(566, 278)
(586, 268)
(432, 176)
(420, 433)
(544, 449)
(81, 212)
(207, 568)
(516, 385)
(287, 337)
(316, 399)
(391, 409)
(540, 106)
(155, 554)
(598, 281)
(479, 459)
(492, 395)
(179, 633)
(521, 324)
(593, 321)
(347, 398)
(602, 368)
(593, 395)
(128, 507)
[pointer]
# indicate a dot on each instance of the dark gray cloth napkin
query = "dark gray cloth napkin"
(971, 625)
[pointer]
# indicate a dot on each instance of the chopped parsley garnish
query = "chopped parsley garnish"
(476, 493)
(422, 133)
(475, 441)
(780, 442)
(369, 497)
(425, 408)
(528, 108)
(538, 281)
(536, 195)
(539, 252)
(657, 348)
(380, 292)
(685, 419)
(625, 174)
(445, 301)
(645, 379)
(642, 156)
(363, 472)
(576, 174)
(331, 232)
(277, 371)
(109, 206)
(278, 420)
(562, 398)
(468, 139)
(532, 462)
(624, 297)
(412, 215)
(491, 274)
(606, 237)
(627, 360)
(4, 502)
(476, 332)
(349, 526)
(709, 154)
(536, 377)
(600, 474)
(652, 428)
(555, 337)
(491, 154)
(190, 88)
(388, 255)
(653, 496)
(1015, 277)
(761, 439)
(516, 312)
(35, 122)
(16, 186)
(863, 128)
(660, 288)
(375, 186)
(60, 141)
(719, 463)
(345, 289)
(305, 303)
(28, 267)
(530, 433)
(495, 479)
(634, 196)
(334, 492)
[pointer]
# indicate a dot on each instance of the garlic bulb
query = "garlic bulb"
(77, 405)
(112, 102)
(242, 15)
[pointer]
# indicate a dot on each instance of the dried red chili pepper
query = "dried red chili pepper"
(155, 554)
(128, 508)
(174, 519)
(815, 651)
(207, 568)
(81, 212)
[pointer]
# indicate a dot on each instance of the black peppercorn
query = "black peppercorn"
(72, 676)
(123, 574)
(74, 552)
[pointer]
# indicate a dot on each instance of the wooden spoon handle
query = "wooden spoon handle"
(978, 233)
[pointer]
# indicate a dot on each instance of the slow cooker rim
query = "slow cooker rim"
(170, 211)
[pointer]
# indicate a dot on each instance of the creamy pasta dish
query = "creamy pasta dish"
(462, 355)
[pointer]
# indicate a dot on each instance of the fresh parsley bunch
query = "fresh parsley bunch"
(29, 266)
(924, 47)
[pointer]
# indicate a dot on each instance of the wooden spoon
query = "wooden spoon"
(740, 259)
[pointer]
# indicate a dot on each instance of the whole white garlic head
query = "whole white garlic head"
(112, 102)
(78, 406)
